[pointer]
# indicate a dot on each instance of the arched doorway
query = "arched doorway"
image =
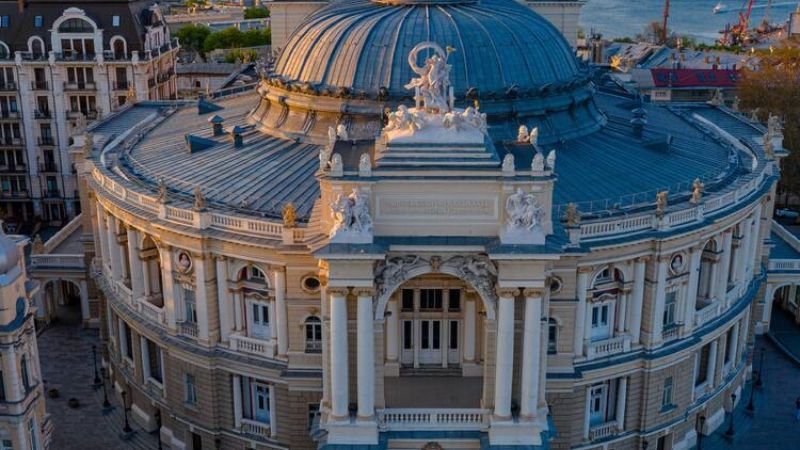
(61, 300)
(434, 343)
(151, 272)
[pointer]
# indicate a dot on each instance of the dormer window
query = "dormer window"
(75, 25)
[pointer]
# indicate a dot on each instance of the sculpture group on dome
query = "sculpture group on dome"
(434, 97)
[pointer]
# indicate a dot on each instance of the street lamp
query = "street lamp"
(760, 380)
(127, 428)
(94, 358)
(106, 403)
(730, 431)
(702, 421)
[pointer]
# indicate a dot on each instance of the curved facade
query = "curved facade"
(437, 284)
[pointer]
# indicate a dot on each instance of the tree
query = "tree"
(774, 88)
(235, 38)
(192, 37)
(256, 12)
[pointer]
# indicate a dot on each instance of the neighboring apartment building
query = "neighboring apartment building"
(295, 268)
(62, 66)
(24, 424)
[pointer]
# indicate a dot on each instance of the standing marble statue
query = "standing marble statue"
(661, 202)
(433, 84)
(522, 135)
(534, 136)
(551, 160)
(697, 191)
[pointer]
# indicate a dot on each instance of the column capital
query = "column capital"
(507, 293)
(538, 292)
(364, 292)
(220, 258)
(338, 291)
(664, 258)
(585, 269)
(643, 259)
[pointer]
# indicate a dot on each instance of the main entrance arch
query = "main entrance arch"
(63, 299)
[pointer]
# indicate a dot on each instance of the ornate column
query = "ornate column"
(223, 300)
(743, 253)
(85, 313)
(339, 359)
(281, 318)
(137, 275)
(201, 296)
(504, 357)
(145, 355)
(734, 351)
(469, 329)
(711, 369)
(660, 298)
(237, 401)
(113, 249)
(366, 354)
(637, 300)
(622, 398)
(392, 331)
(580, 309)
(103, 234)
(725, 266)
(623, 310)
(531, 348)
(691, 297)
(169, 293)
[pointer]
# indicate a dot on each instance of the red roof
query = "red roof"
(681, 78)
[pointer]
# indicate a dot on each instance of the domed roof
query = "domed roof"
(363, 46)
(9, 255)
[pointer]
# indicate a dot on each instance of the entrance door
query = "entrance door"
(261, 402)
(600, 322)
(407, 355)
(430, 342)
(597, 405)
(453, 347)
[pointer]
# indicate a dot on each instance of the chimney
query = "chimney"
(236, 132)
(216, 124)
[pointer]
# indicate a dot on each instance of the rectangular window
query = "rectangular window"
(2, 389)
(666, 393)
(454, 300)
(4, 21)
(408, 300)
(552, 336)
(38, 21)
(6, 444)
(191, 390)
(728, 345)
(128, 340)
(453, 334)
(408, 337)
(313, 413)
(430, 299)
(190, 311)
(114, 21)
(669, 308)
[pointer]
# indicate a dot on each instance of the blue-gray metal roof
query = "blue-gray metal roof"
(364, 45)
(782, 249)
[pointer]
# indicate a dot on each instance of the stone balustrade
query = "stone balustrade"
(596, 229)
(254, 427)
(250, 226)
(707, 313)
(603, 430)
(429, 418)
(608, 347)
(57, 261)
(257, 347)
(151, 312)
(188, 329)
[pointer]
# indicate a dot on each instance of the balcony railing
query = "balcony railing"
(670, 332)
(603, 430)
(608, 347)
(44, 140)
(52, 193)
(11, 141)
(74, 56)
(9, 114)
(121, 85)
(254, 427)
(707, 313)
(58, 261)
(252, 346)
(89, 114)
(41, 114)
(430, 418)
(14, 168)
(8, 86)
(48, 167)
(187, 329)
(313, 346)
(14, 194)
(151, 311)
(80, 86)
(39, 85)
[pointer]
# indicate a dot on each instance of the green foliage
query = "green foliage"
(256, 12)
(235, 38)
(242, 56)
(192, 37)
(774, 88)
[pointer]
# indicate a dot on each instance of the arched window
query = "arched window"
(75, 25)
(5, 53)
(254, 275)
(552, 336)
(119, 47)
(36, 47)
(313, 335)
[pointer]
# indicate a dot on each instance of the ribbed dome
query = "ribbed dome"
(363, 46)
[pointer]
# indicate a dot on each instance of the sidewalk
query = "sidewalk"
(65, 352)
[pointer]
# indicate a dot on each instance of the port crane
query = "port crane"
(738, 34)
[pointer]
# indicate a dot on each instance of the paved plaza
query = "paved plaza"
(66, 358)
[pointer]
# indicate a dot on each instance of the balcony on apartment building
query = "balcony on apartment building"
(41, 114)
(46, 140)
(6, 114)
(51, 193)
(74, 56)
(13, 168)
(80, 86)
(121, 85)
(14, 194)
(48, 167)
(10, 142)
(8, 86)
(90, 114)
(39, 85)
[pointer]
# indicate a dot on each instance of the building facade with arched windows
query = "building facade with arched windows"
(404, 240)
(62, 67)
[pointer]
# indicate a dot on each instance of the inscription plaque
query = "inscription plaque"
(405, 207)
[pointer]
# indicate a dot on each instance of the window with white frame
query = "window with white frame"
(602, 404)
(189, 306)
(670, 309)
(153, 363)
(258, 319)
(256, 400)
(601, 321)
(190, 390)
(6, 444)
(313, 335)
(666, 393)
